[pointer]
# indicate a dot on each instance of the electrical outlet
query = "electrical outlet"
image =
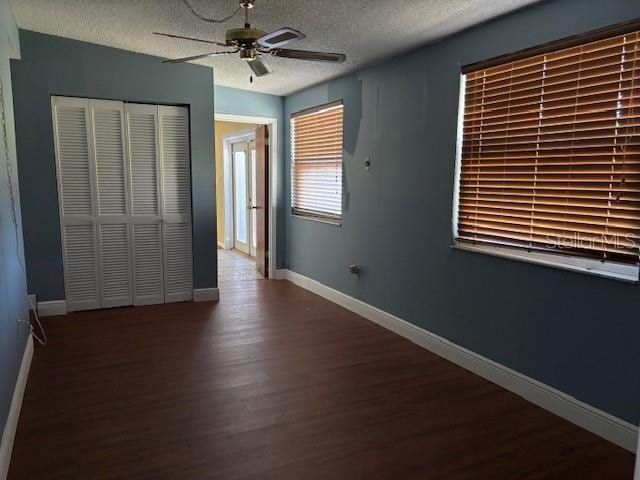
(354, 270)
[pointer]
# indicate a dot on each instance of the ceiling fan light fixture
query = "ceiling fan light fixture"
(248, 54)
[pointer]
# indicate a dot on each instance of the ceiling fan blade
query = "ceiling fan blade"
(197, 57)
(280, 37)
(259, 67)
(309, 55)
(170, 35)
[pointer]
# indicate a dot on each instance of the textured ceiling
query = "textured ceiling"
(366, 31)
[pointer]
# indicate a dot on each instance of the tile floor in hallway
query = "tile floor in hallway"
(234, 266)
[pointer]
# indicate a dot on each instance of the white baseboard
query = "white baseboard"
(220, 244)
(206, 294)
(11, 426)
(607, 426)
(52, 308)
(637, 475)
(281, 274)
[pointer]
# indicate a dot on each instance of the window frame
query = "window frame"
(626, 272)
(327, 218)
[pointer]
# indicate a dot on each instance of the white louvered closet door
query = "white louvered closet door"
(176, 202)
(125, 202)
(146, 198)
(71, 123)
(112, 212)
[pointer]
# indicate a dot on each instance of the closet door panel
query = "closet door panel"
(115, 265)
(147, 261)
(72, 148)
(176, 195)
(143, 153)
(72, 141)
(146, 203)
(110, 159)
(80, 265)
(178, 262)
(112, 213)
(175, 155)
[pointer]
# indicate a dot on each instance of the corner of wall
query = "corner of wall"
(13, 301)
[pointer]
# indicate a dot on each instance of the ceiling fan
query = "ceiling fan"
(252, 43)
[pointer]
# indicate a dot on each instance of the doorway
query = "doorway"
(244, 201)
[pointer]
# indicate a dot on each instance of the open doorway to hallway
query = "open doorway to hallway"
(242, 182)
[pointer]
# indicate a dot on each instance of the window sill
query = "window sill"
(613, 270)
(335, 223)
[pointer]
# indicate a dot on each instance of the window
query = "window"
(316, 162)
(549, 155)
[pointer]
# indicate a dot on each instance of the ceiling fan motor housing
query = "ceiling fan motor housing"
(243, 36)
(246, 39)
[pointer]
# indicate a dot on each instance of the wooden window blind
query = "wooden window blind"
(316, 177)
(550, 156)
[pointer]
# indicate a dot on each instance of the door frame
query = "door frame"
(274, 168)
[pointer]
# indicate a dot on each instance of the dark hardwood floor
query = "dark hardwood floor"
(274, 382)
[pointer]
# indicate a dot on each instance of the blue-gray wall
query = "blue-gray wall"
(13, 289)
(57, 66)
(245, 102)
(575, 332)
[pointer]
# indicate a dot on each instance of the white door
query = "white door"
(76, 202)
(241, 166)
(176, 203)
(146, 199)
(111, 207)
